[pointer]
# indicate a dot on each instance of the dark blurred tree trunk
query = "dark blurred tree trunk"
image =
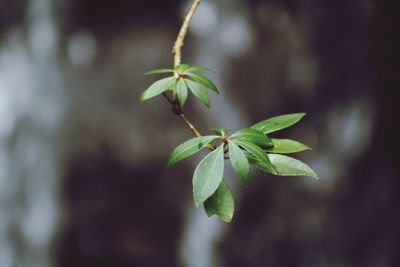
(356, 44)
(370, 217)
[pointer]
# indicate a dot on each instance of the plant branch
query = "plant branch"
(189, 124)
(178, 111)
(176, 50)
(168, 98)
(177, 53)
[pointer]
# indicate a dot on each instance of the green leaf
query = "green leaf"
(287, 166)
(189, 148)
(181, 91)
(267, 167)
(256, 151)
(197, 69)
(158, 71)
(221, 203)
(220, 131)
(286, 146)
(239, 161)
(158, 87)
(181, 68)
(278, 123)
(208, 175)
(203, 80)
(253, 136)
(199, 91)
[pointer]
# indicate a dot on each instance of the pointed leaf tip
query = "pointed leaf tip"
(287, 166)
(278, 122)
(287, 146)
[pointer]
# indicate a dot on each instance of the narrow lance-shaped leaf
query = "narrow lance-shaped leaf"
(239, 161)
(256, 151)
(203, 80)
(157, 88)
(208, 175)
(278, 123)
(181, 91)
(287, 166)
(199, 91)
(253, 136)
(221, 203)
(196, 69)
(159, 71)
(189, 148)
(287, 146)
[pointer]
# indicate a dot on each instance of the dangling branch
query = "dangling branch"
(177, 53)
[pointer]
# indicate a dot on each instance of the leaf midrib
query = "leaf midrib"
(209, 171)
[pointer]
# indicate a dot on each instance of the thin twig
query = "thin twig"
(189, 124)
(168, 98)
(176, 50)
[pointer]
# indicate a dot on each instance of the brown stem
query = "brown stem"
(177, 52)
(189, 124)
(167, 98)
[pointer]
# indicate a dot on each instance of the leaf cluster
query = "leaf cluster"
(245, 147)
(182, 79)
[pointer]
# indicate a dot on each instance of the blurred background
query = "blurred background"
(82, 162)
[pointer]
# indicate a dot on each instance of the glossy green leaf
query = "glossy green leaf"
(239, 161)
(278, 123)
(208, 175)
(253, 136)
(256, 151)
(199, 91)
(287, 166)
(189, 148)
(181, 91)
(286, 146)
(158, 87)
(159, 71)
(196, 69)
(203, 80)
(221, 203)
(181, 68)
